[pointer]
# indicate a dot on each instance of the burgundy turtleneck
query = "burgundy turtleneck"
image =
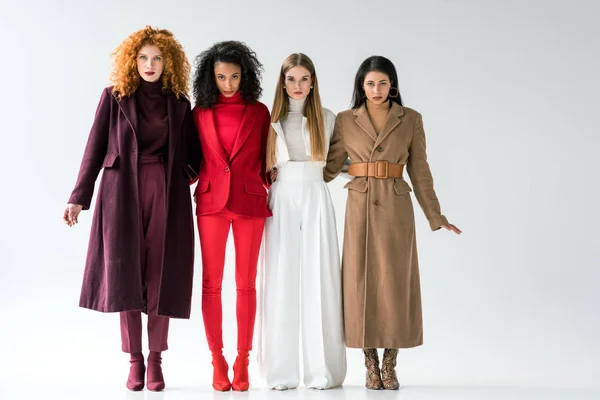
(153, 121)
(228, 114)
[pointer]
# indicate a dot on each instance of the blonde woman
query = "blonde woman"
(301, 277)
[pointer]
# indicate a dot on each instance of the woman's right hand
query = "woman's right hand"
(71, 213)
(273, 174)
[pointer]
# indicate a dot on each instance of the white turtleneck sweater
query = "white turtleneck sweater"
(292, 130)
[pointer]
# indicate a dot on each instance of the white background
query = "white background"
(509, 95)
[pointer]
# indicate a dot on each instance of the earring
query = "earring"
(396, 93)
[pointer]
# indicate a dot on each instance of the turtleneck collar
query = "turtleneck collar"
(235, 99)
(378, 108)
(296, 106)
(150, 87)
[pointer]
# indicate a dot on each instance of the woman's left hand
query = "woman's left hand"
(453, 228)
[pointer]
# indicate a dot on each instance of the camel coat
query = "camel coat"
(380, 270)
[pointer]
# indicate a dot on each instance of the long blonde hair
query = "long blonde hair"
(313, 110)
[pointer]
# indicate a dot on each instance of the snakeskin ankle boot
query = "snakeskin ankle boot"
(388, 371)
(373, 380)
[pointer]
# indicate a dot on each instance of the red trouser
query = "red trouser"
(247, 237)
(152, 187)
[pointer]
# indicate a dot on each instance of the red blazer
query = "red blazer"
(238, 183)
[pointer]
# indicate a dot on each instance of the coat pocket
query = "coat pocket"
(110, 160)
(358, 184)
(255, 189)
(202, 187)
(401, 187)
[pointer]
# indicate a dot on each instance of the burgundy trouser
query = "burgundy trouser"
(152, 186)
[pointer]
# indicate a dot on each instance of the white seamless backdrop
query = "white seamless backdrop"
(509, 94)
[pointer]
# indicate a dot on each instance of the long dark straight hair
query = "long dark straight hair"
(379, 64)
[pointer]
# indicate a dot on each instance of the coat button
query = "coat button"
(226, 169)
(380, 149)
(376, 202)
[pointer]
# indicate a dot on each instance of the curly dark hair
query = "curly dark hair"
(205, 88)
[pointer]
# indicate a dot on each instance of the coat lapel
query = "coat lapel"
(209, 129)
(176, 111)
(128, 106)
(248, 121)
(364, 122)
(278, 129)
(391, 122)
(282, 150)
(306, 136)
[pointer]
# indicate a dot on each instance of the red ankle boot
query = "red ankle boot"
(241, 382)
(156, 381)
(220, 370)
(135, 380)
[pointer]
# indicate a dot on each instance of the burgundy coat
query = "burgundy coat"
(238, 181)
(112, 280)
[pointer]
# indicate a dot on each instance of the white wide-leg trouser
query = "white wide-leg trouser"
(301, 284)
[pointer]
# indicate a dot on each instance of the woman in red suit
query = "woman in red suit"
(233, 127)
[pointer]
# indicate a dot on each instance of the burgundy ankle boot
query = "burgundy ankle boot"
(155, 379)
(241, 382)
(135, 380)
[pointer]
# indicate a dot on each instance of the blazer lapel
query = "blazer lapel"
(207, 117)
(364, 122)
(248, 121)
(391, 122)
(129, 108)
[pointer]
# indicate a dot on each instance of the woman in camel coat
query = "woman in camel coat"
(381, 288)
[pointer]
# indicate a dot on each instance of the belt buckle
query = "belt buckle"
(379, 166)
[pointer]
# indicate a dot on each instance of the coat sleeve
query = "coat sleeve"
(194, 150)
(93, 156)
(421, 178)
(337, 154)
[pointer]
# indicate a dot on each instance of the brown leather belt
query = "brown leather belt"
(378, 169)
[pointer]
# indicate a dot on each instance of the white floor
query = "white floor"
(113, 391)
(89, 366)
(480, 343)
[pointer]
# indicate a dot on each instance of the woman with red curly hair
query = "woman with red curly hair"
(141, 250)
